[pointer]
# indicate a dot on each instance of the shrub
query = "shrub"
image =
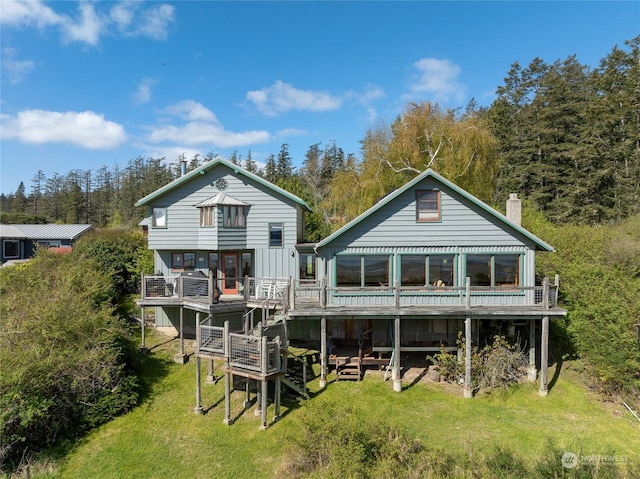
(64, 356)
(496, 366)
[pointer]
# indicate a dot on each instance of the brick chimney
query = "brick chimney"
(514, 209)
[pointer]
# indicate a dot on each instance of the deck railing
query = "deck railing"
(195, 288)
(292, 294)
(319, 294)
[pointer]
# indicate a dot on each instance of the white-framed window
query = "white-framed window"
(11, 249)
(233, 216)
(427, 205)
(276, 235)
(159, 218)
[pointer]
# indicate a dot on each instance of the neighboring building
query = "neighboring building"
(425, 264)
(19, 242)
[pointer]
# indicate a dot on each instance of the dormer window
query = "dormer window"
(427, 205)
(234, 212)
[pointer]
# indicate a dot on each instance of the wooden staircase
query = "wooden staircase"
(295, 376)
(348, 369)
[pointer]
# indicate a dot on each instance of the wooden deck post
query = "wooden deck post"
(198, 408)
(181, 357)
(143, 345)
(532, 373)
(323, 351)
(263, 405)
(211, 377)
(468, 392)
(397, 380)
(227, 376)
(544, 356)
(247, 394)
(280, 366)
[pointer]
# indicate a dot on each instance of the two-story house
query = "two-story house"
(427, 262)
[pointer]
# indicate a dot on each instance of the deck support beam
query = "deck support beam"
(397, 380)
(263, 405)
(544, 356)
(468, 392)
(143, 345)
(198, 408)
(532, 373)
(181, 357)
(227, 376)
(323, 352)
(276, 417)
(211, 376)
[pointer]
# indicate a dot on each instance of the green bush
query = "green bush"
(64, 357)
(120, 253)
(599, 270)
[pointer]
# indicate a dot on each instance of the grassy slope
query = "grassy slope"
(163, 438)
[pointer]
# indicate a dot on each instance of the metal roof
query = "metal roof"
(207, 166)
(44, 232)
(222, 199)
(430, 173)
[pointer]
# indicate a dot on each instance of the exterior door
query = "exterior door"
(229, 273)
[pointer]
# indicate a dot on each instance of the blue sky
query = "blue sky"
(85, 84)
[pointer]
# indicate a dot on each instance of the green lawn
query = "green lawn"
(163, 438)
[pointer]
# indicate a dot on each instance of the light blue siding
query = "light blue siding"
(462, 224)
(183, 232)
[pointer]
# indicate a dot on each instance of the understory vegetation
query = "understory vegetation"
(66, 357)
(599, 270)
(494, 367)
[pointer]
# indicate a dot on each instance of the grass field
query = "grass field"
(163, 438)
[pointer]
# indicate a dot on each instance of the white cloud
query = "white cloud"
(282, 97)
(27, 13)
(122, 14)
(289, 132)
(94, 19)
(197, 133)
(14, 69)
(86, 129)
(202, 128)
(143, 92)
(438, 78)
(87, 28)
(191, 110)
(155, 22)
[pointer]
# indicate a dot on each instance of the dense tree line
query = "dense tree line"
(569, 136)
(563, 135)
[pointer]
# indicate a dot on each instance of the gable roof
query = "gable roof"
(209, 165)
(541, 245)
(44, 232)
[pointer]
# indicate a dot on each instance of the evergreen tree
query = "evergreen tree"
(19, 202)
(37, 190)
(270, 169)
(284, 165)
(250, 164)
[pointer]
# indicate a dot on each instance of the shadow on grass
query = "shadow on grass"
(151, 369)
(556, 375)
